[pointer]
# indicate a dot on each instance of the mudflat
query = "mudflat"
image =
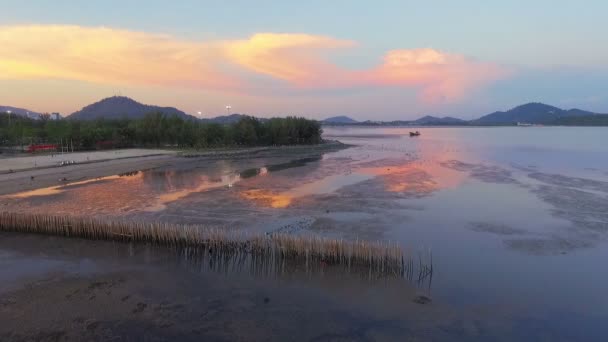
(56, 289)
(27, 173)
(503, 217)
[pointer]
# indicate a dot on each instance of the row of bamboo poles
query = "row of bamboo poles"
(376, 257)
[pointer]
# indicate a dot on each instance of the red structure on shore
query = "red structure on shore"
(42, 148)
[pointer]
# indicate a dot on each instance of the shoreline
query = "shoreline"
(52, 175)
(44, 161)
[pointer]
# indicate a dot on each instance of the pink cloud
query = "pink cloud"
(298, 59)
(438, 75)
(108, 56)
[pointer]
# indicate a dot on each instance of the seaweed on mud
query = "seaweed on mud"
(294, 226)
(484, 173)
(457, 165)
(373, 196)
(586, 211)
(582, 208)
(399, 185)
(525, 168)
(495, 228)
(547, 246)
(571, 182)
(347, 202)
(386, 162)
(361, 229)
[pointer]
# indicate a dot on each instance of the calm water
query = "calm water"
(516, 218)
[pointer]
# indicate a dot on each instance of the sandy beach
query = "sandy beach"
(52, 160)
(50, 176)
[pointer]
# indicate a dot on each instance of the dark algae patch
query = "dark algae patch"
(495, 228)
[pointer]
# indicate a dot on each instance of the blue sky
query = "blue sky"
(549, 51)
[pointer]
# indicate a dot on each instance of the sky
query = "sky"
(382, 60)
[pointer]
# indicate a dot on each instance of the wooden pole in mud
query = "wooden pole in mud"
(377, 257)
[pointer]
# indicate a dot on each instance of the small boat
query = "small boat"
(414, 134)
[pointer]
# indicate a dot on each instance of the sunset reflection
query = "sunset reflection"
(268, 198)
(418, 172)
(147, 191)
(407, 166)
(54, 190)
(416, 177)
(324, 185)
(423, 173)
(203, 183)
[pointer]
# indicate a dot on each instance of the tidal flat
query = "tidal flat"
(515, 219)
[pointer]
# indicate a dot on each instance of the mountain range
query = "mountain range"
(433, 120)
(340, 120)
(530, 113)
(534, 113)
(117, 107)
(20, 111)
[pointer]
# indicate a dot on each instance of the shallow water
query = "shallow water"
(516, 218)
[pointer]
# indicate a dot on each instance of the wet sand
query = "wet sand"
(21, 163)
(125, 161)
(58, 289)
(70, 289)
(42, 178)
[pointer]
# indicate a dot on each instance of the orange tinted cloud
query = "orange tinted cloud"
(106, 55)
(295, 58)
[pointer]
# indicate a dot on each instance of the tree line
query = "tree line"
(157, 130)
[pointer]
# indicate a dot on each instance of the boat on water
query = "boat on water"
(414, 134)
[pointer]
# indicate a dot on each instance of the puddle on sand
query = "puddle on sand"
(59, 189)
(323, 186)
(149, 191)
(136, 287)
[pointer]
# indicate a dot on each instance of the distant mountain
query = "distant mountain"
(432, 120)
(340, 120)
(226, 119)
(118, 107)
(534, 113)
(585, 120)
(20, 111)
